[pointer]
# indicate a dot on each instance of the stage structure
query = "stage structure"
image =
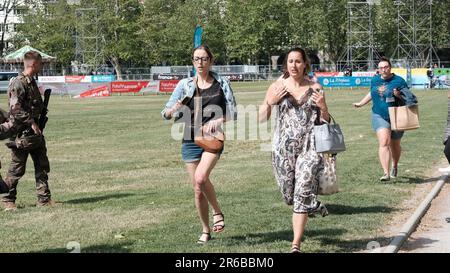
(414, 34)
(88, 57)
(360, 53)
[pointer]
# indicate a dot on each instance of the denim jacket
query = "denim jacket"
(406, 98)
(186, 87)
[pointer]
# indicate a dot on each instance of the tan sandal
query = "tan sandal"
(208, 237)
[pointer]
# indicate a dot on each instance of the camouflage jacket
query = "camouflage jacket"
(25, 101)
(7, 127)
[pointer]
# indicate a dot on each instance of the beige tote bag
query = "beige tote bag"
(404, 118)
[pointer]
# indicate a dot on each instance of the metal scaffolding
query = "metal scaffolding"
(414, 38)
(360, 53)
(88, 56)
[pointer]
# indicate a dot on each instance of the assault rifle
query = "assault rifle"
(43, 117)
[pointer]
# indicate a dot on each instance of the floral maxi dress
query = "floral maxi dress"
(295, 161)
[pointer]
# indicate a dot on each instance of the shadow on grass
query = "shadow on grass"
(342, 209)
(97, 198)
(103, 248)
(283, 235)
(415, 180)
(329, 237)
(356, 245)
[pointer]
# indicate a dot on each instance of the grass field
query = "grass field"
(123, 186)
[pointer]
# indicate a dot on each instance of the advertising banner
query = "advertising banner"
(400, 72)
(363, 73)
(103, 78)
(128, 86)
(167, 85)
(158, 77)
(419, 77)
(441, 71)
(152, 87)
(234, 77)
(78, 79)
(51, 79)
(345, 81)
(326, 74)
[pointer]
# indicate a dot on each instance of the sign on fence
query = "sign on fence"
(128, 86)
(51, 79)
(152, 87)
(103, 78)
(345, 81)
(167, 85)
(78, 79)
(158, 77)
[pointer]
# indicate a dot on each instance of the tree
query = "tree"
(6, 7)
(385, 27)
(255, 29)
(238, 31)
(168, 29)
(154, 22)
(118, 30)
(441, 24)
(50, 28)
(319, 26)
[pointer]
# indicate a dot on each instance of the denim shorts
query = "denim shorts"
(379, 123)
(190, 152)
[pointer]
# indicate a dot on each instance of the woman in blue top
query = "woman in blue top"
(384, 86)
(213, 94)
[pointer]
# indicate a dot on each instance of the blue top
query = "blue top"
(381, 103)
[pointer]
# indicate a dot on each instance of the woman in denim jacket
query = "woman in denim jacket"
(215, 96)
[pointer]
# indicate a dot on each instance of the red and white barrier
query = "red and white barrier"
(101, 91)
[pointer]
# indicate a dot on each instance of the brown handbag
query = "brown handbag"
(210, 142)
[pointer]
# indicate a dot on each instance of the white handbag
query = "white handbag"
(329, 138)
(328, 183)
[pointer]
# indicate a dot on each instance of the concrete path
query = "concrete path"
(433, 233)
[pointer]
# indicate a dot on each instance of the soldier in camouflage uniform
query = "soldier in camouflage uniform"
(6, 130)
(25, 106)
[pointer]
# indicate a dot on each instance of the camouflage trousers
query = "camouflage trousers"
(4, 188)
(17, 170)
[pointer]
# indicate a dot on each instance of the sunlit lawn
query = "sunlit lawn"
(123, 186)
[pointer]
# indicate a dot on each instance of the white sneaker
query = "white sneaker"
(445, 170)
(385, 177)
